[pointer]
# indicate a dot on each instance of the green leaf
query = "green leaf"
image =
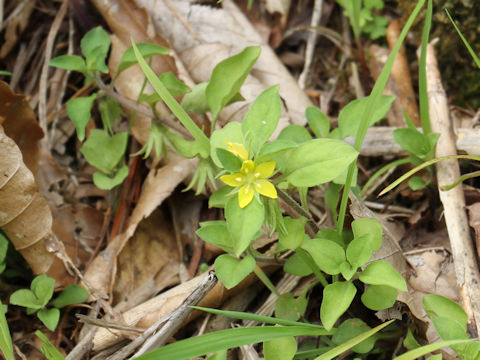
(337, 298)
(318, 161)
(175, 86)
(6, 345)
(196, 100)
(105, 182)
(450, 329)
(216, 233)
(232, 132)
(104, 151)
(79, 110)
(231, 271)
(49, 318)
(379, 297)
(349, 119)
(110, 112)
(293, 237)
(42, 286)
(352, 342)
(351, 328)
(380, 272)
(296, 266)
(72, 294)
(327, 254)
(229, 161)
(95, 45)
(147, 50)
(437, 305)
(280, 349)
(413, 141)
(359, 251)
(225, 339)
(227, 78)
(47, 348)
(243, 224)
(69, 62)
(3, 250)
(219, 197)
(219, 355)
(410, 342)
(262, 119)
(5, 73)
(25, 298)
(347, 270)
(289, 308)
(318, 121)
(416, 183)
(272, 149)
(295, 133)
(186, 148)
(369, 226)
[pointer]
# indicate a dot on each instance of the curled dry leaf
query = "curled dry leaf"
(24, 214)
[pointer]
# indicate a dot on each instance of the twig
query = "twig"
(305, 77)
(141, 109)
(42, 105)
(153, 337)
(466, 269)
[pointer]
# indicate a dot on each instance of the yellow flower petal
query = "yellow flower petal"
(245, 195)
(265, 188)
(237, 150)
(234, 180)
(265, 170)
(247, 167)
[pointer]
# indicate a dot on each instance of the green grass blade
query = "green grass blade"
(416, 353)
(172, 104)
(352, 342)
(465, 42)
(6, 345)
(259, 318)
(50, 351)
(424, 165)
(370, 109)
(226, 339)
(422, 73)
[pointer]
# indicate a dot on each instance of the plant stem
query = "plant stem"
(308, 260)
(266, 281)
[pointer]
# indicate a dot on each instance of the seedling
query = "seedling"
(38, 299)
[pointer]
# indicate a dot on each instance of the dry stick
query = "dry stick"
(466, 268)
(305, 77)
(141, 109)
(152, 337)
(42, 105)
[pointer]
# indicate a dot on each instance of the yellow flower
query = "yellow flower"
(251, 179)
(237, 150)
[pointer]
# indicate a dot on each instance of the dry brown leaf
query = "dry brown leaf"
(15, 24)
(24, 214)
(151, 253)
(158, 185)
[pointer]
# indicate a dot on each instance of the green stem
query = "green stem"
(311, 264)
(266, 281)
(370, 109)
(382, 171)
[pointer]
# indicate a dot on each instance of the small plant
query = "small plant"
(364, 19)
(38, 299)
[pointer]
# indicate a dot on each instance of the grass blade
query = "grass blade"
(422, 73)
(226, 339)
(5, 339)
(416, 353)
(259, 318)
(465, 42)
(352, 342)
